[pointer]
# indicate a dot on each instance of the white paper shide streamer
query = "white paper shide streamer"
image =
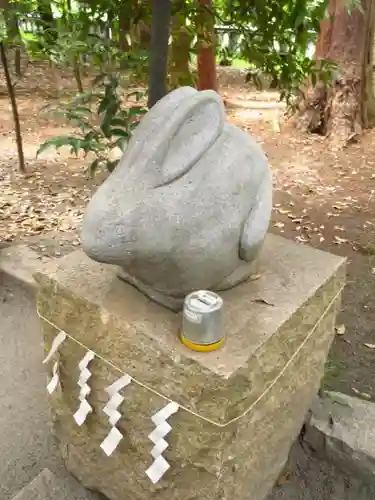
(54, 382)
(160, 465)
(57, 341)
(84, 408)
(114, 437)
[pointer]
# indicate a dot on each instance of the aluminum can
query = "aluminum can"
(202, 321)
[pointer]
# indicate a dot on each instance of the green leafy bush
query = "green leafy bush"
(103, 122)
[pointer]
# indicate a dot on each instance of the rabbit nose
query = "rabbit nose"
(96, 241)
(106, 242)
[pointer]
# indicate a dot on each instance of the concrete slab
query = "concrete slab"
(48, 486)
(24, 417)
(26, 443)
(20, 262)
(41, 488)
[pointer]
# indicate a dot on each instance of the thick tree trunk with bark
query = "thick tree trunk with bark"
(207, 78)
(345, 108)
(179, 55)
(161, 16)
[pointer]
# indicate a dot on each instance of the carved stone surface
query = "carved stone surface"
(272, 362)
(189, 204)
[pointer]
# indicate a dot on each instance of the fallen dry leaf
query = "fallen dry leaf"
(263, 301)
(364, 395)
(301, 239)
(254, 277)
(339, 240)
(284, 478)
(370, 346)
(340, 329)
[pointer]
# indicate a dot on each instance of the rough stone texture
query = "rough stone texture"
(48, 486)
(279, 348)
(342, 429)
(203, 183)
(20, 262)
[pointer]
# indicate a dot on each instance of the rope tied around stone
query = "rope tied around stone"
(182, 407)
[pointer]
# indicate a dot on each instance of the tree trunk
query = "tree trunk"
(141, 24)
(13, 102)
(108, 32)
(342, 110)
(369, 98)
(313, 105)
(161, 15)
(77, 74)
(13, 33)
(124, 25)
(17, 62)
(207, 78)
(180, 49)
(144, 35)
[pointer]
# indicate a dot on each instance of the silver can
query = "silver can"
(202, 323)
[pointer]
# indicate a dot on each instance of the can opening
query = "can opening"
(206, 298)
(203, 301)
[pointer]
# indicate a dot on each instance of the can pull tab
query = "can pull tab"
(206, 298)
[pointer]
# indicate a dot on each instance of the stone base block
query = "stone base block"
(246, 402)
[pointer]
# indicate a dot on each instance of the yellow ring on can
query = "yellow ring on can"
(201, 347)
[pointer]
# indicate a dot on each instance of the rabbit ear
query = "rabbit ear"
(193, 128)
(154, 123)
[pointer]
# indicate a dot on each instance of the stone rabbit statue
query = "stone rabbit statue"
(188, 205)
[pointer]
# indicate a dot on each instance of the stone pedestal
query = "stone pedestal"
(279, 330)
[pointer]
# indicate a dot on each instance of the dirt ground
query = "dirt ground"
(322, 198)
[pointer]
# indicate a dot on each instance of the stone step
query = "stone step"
(20, 262)
(48, 486)
(341, 430)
